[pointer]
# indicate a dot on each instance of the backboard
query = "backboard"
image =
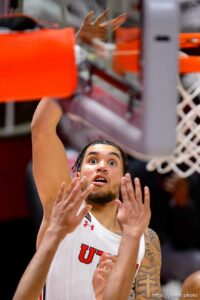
(143, 119)
(147, 127)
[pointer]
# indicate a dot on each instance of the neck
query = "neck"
(106, 215)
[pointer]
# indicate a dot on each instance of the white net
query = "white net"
(186, 157)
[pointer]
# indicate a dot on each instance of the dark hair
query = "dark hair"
(78, 164)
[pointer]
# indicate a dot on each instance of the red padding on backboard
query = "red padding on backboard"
(37, 63)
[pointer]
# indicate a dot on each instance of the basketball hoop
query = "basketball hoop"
(185, 159)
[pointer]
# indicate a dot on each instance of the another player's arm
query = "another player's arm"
(49, 158)
(66, 216)
(148, 278)
(133, 216)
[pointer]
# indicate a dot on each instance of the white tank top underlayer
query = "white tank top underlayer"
(71, 271)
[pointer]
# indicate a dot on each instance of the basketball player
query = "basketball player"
(103, 164)
(108, 279)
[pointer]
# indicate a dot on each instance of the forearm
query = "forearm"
(49, 158)
(41, 233)
(46, 116)
(124, 270)
(34, 278)
(148, 277)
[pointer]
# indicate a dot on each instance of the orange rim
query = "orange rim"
(127, 54)
(37, 63)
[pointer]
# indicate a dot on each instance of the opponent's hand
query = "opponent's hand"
(102, 274)
(65, 215)
(133, 215)
(98, 29)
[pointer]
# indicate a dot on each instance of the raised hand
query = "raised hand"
(102, 274)
(98, 29)
(66, 213)
(134, 213)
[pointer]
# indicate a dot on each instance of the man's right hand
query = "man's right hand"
(99, 28)
(66, 213)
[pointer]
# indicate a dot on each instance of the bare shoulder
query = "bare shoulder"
(148, 278)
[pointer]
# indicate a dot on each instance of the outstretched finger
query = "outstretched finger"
(115, 23)
(61, 192)
(82, 181)
(100, 19)
(81, 197)
(75, 189)
(138, 192)
(88, 190)
(124, 191)
(119, 21)
(129, 187)
(147, 197)
(83, 212)
(71, 187)
(88, 18)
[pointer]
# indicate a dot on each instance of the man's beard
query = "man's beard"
(101, 198)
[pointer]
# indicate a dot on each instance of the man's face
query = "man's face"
(102, 165)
